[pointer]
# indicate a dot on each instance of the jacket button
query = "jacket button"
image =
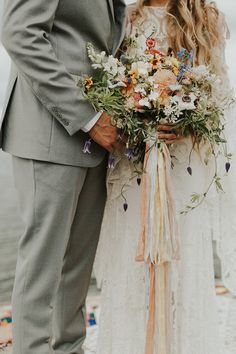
(66, 122)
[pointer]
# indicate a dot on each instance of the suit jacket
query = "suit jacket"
(44, 110)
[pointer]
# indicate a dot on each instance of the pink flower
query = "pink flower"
(150, 42)
(137, 97)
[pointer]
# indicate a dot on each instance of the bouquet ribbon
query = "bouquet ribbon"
(159, 242)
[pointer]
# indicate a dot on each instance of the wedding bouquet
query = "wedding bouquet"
(140, 92)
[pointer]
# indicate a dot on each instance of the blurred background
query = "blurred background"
(10, 224)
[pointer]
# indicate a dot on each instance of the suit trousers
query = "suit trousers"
(62, 209)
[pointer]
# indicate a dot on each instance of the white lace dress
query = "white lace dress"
(193, 322)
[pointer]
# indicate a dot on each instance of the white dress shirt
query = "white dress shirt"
(91, 123)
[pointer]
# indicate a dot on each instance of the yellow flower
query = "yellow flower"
(133, 73)
(88, 83)
(154, 63)
(175, 62)
(175, 70)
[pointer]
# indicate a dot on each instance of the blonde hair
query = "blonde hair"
(195, 25)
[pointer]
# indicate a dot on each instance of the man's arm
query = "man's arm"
(26, 28)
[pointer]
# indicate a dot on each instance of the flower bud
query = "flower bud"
(227, 166)
(125, 206)
(189, 169)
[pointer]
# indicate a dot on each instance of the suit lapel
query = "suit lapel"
(119, 9)
(111, 6)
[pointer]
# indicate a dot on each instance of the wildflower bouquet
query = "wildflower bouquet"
(140, 92)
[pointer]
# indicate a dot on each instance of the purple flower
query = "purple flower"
(87, 146)
(125, 206)
(130, 152)
(189, 169)
(139, 180)
(119, 132)
(227, 166)
(111, 161)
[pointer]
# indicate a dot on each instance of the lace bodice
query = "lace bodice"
(151, 25)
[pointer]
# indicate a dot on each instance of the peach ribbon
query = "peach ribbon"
(159, 238)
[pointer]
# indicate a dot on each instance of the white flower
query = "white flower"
(94, 57)
(144, 102)
(130, 103)
(185, 102)
(151, 80)
(121, 70)
(154, 95)
(120, 123)
(142, 68)
(97, 59)
(176, 87)
(139, 88)
(168, 110)
(97, 66)
(200, 71)
(111, 66)
(115, 84)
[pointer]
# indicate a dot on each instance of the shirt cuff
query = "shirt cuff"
(91, 123)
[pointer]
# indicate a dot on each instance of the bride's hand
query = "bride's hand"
(169, 133)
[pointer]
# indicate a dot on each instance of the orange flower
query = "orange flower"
(155, 51)
(129, 83)
(164, 97)
(88, 83)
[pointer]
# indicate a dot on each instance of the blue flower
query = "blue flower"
(181, 53)
(87, 146)
(190, 55)
(180, 75)
(183, 68)
(111, 161)
(130, 152)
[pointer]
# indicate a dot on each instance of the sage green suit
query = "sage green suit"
(61, 190)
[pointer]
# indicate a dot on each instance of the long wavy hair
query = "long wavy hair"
(194, 24)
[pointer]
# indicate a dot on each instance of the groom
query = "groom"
(61, 190)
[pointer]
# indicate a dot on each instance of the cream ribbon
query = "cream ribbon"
(159, 242)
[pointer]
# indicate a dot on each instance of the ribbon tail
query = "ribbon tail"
(145, 193)
(149, 348)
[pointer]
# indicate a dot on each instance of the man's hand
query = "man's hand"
(104, 133)
(168, 133)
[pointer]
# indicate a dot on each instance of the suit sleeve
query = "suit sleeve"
(25, 35)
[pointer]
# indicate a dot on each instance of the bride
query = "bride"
(185, 320)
